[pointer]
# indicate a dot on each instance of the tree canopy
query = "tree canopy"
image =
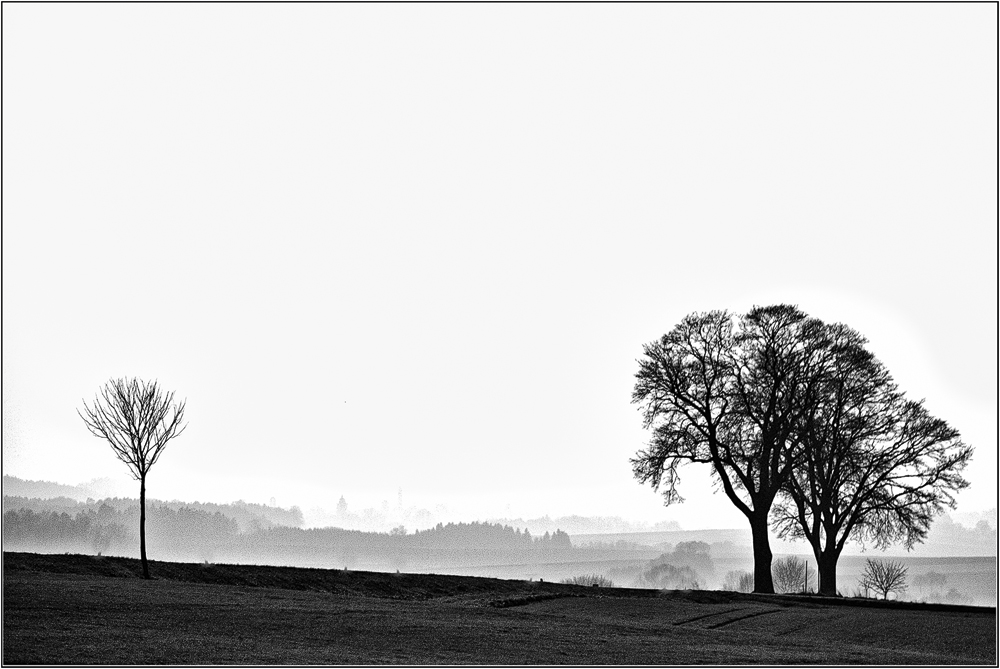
(876, 467)
(796, 415)
(729, 394)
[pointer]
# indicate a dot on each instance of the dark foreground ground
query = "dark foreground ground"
(73, 609)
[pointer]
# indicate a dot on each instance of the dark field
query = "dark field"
(72, 609)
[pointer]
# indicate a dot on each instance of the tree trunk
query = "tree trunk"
(762, 581)
(142, 526)
(828, 573)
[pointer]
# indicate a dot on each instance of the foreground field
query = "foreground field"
(81, 609)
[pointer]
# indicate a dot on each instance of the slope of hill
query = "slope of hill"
(71, 609)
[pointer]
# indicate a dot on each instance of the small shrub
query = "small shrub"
(738, 581)
(667, 576)
(790, 574)
(590, 579)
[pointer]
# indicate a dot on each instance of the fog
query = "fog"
(957, 563)
(422, 246)
(407, 257)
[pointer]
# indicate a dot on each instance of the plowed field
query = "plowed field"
(85, 610)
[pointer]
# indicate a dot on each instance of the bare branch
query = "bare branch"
(137, 419)
(884, 577)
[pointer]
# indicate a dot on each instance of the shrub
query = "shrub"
(738, 581)
(666, 575)
(790, 574)
(590, 579)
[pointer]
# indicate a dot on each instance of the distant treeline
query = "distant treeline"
(454, 544)
(575, 524)
(247, 515)
(197, 532)
(184, 534)
(486, 535)
(688, 565)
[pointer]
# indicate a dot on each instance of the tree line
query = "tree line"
(491, 535)
(248, 516)
(804, 430)
(192, 534)
(184, 534)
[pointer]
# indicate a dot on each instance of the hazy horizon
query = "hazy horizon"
(422, 246)
(387, 516)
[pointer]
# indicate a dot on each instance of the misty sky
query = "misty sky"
(421, 246)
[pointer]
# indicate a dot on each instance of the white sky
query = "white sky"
(383, 246)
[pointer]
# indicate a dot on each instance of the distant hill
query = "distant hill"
(93, 489)
(585, 525)
(248, 517)
(945, 539)
(16, 487)
(662, 538)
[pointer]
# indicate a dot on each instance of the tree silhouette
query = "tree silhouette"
(729, 397)
(137, 419)
(884, 577)
(875, 467)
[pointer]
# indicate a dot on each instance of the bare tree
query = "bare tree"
(791, 574)
(138, 419)
(729, 397)
(875, 467)
(738, 581)
(884, 577)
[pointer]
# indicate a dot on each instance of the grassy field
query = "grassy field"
(72, 609)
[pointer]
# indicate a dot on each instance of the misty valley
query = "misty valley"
(245, 533)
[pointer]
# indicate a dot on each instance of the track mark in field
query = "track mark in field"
(708, 615)
(749, 615)
(528, 599)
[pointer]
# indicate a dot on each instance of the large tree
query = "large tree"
(138, 419)
(730, 395)
(875, 466)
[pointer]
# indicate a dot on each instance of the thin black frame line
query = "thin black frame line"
(500, 2)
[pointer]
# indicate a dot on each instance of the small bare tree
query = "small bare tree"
(790, 574)
(138, 419)
(884, 577)
(738, 581)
